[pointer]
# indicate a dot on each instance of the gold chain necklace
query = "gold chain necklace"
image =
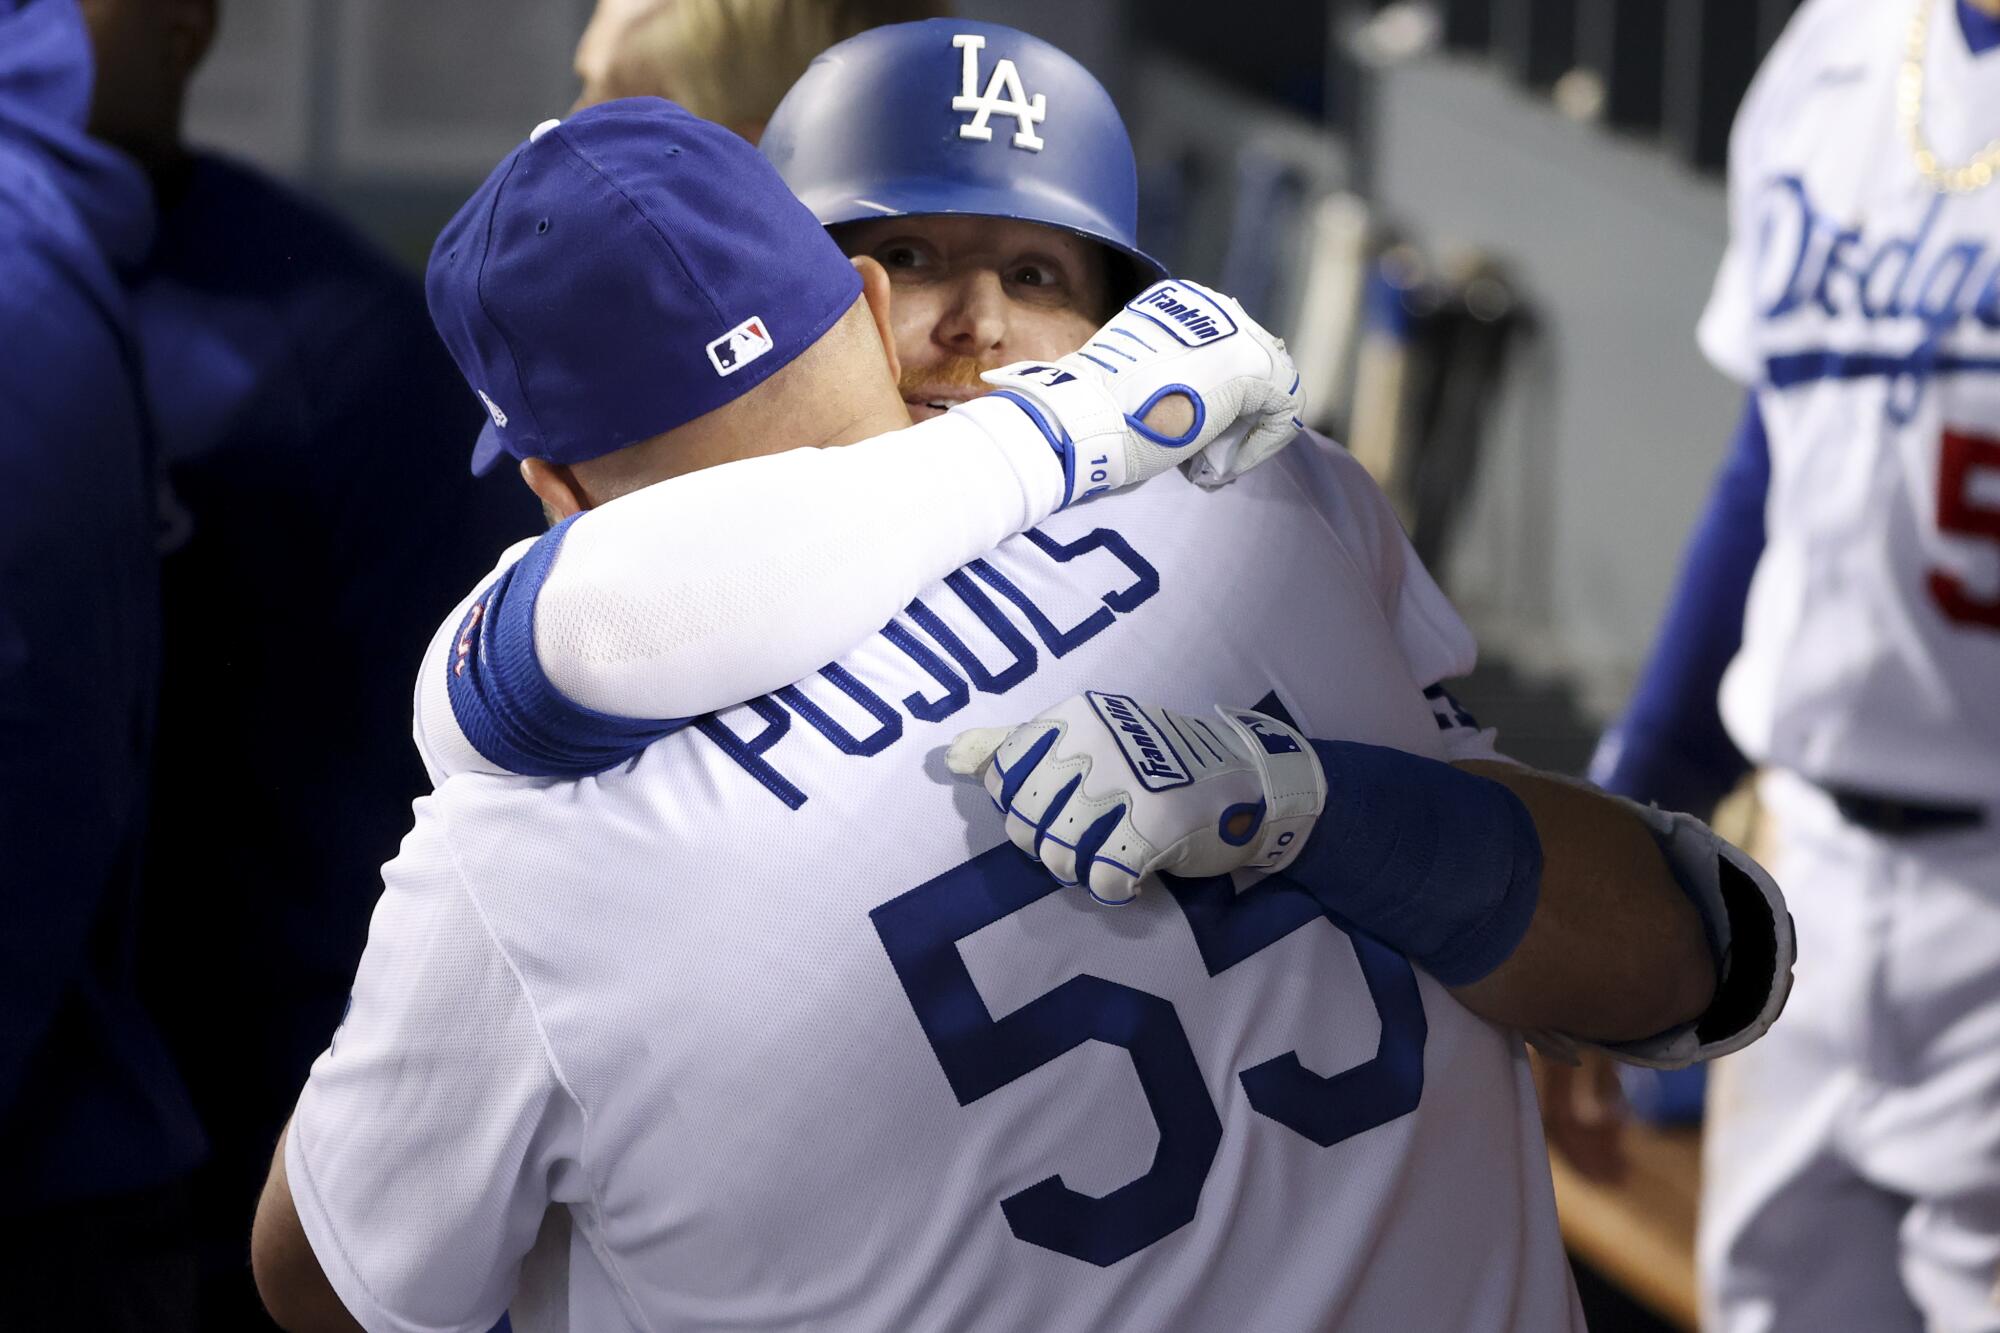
(1976, 173)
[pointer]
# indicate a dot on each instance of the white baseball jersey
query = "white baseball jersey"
(1864, 307)
(772, 1028)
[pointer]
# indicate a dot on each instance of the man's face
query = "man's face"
(974, 293)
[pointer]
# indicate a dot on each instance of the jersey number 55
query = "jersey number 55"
(980, 1054)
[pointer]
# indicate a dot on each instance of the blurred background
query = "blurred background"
(1487, 226)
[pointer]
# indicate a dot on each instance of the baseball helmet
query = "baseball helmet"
(954, 116)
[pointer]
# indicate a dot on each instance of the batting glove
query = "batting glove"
(1176, 337)
(1104, 790)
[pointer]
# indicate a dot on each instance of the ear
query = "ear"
(875, 290)
(555, 486)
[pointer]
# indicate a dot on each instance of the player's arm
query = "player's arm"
(1670, 746)
(290, 1280)
(1545, 905)
(1616, 949)
(623, 622)
(1438, 647)
(626, 621)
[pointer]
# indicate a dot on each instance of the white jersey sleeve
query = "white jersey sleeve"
(625, 622)
(1435, 640)
(421, 1193)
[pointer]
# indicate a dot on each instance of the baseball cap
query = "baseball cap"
(623, 272)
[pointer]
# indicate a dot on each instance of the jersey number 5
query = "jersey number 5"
(981, 1054)
(1962, 460)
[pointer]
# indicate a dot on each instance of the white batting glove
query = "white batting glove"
(1176, 337)
(1104, 790)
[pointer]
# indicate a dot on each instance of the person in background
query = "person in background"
(290, 366)
(96, 1132)
(729, 61)
(1836, 626)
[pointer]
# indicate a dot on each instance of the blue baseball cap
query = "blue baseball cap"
(623, 272)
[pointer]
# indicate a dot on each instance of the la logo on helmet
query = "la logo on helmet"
(1004, 96)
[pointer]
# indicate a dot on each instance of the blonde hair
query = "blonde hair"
(733, 61)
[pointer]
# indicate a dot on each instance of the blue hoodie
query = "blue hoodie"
(90, 1104)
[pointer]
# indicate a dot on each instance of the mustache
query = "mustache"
(959, 372)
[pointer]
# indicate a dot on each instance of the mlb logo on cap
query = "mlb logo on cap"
(739, 347)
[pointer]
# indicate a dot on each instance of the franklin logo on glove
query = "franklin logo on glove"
(1195, 321)
(1150, 754)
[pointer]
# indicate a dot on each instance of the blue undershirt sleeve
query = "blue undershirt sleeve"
(1670, 747)
(505, 703)
(1442, 865)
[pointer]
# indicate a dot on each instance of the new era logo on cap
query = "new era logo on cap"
(740, 346)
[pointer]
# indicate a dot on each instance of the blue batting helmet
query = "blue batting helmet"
(953, 116)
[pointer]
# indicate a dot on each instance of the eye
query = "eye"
(904, 256)
(1038, 279)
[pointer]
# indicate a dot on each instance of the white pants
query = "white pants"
(1851, 1164)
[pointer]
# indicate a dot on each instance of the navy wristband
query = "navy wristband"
(1442, 865)
(505, 703)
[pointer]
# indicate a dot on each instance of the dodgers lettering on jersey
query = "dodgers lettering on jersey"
(788, 1035)
(1898, 279)
(1864, 307)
